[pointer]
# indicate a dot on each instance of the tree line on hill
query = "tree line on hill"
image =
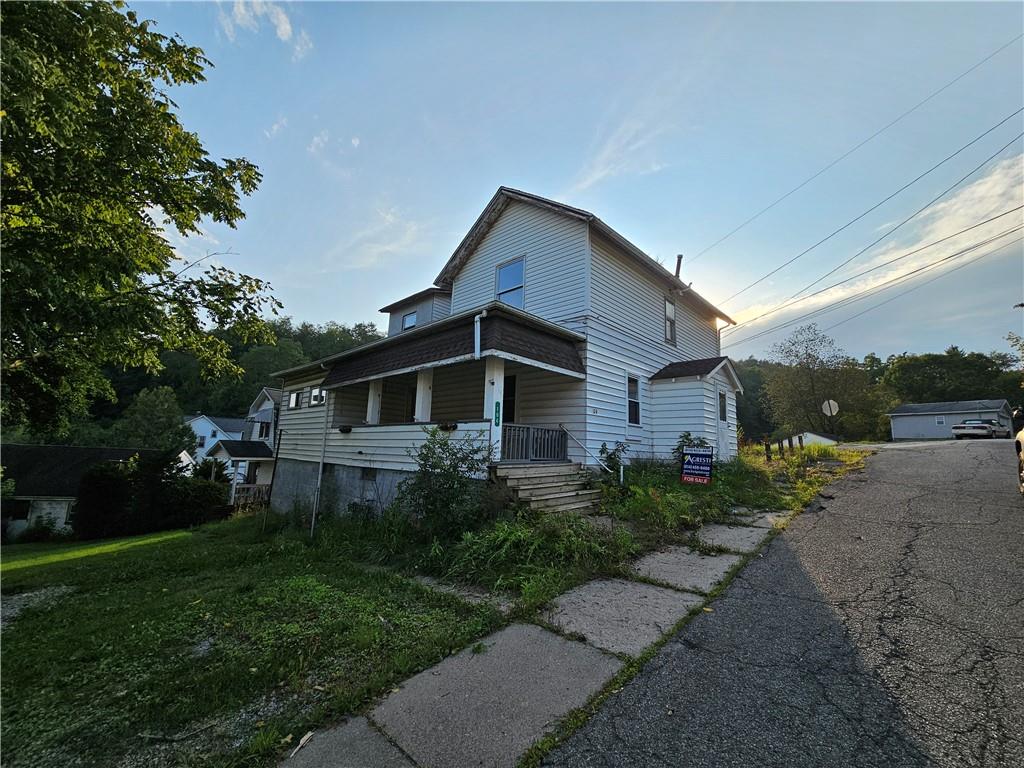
(149, 407)
(783, 393)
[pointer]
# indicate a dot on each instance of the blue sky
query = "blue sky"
(383, 129)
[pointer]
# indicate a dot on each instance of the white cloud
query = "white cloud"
(250, 16)
(318, 142)
(303, 45)
(276, 128)
(355, 142)
(1000, 190)
(628, 148)
(390, 234)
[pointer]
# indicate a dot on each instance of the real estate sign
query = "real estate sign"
(697, 464)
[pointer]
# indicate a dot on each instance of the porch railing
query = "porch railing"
(522, 442)
(246, 493)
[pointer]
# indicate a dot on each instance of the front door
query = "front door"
(723, 421)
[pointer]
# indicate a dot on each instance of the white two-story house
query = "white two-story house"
(547, 334)
(249, 458)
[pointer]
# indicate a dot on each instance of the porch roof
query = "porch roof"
(504, 331)
(243, 450)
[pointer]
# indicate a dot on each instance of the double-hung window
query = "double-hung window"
(408, 321)
(510, 283)
(940, 421)
(670, 321)
(317, 396)
(633, 400)
(723, 407)
(264, 430)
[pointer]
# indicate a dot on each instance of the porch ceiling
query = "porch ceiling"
(500, 332)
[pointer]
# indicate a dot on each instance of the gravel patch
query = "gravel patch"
(12, 605)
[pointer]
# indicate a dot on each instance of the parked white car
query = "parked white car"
(980, 428)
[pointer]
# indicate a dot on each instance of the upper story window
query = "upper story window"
(264, 430)
(317, 396)
(633, 399)
(408, 321)
(201, 441)
(510, 287)
(670, 321)
(294, 398)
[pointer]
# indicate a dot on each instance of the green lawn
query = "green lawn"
(169, 633)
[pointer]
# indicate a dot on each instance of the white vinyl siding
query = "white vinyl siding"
(301, 428)
(389, 447)
(691, 405)
(555, 251)
(625, 296)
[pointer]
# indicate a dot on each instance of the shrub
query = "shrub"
(104, 497)
(612, 457)
(446, 493)
(42, 529)
(686, 440)
(211, 469)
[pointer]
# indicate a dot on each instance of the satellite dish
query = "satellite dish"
(830, 407)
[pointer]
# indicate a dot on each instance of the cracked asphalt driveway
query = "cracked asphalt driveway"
(886, 629)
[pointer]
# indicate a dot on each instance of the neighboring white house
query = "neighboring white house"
(250, 460)
(934, 421)
(209, 429)
(547, 334)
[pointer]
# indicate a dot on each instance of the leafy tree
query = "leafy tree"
(154, 420)
(811, 369)
(752, 411)
(953, 375)
(95, 166)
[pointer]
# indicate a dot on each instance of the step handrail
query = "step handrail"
(581, 445)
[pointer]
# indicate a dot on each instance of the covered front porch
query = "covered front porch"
(518, 387)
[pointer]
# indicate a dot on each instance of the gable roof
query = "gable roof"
(416, 297)
(223, 423)
(506, 195)
(273, 394)
(242, 449)
(954, 406)
(706, 366)
(56, 470)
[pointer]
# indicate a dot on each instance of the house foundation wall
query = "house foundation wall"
(295, 487)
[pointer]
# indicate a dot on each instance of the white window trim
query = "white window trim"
(317, 397)
(295, 399)
(940, 421)
(521, 286)
(639, 402)
(670, 338)
(412, 314)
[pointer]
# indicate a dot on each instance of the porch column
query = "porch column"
(373, 401)
(494, 395)
(424, 391)
(234, 480)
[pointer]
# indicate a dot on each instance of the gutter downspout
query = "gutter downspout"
(323, 456)
(476, 334)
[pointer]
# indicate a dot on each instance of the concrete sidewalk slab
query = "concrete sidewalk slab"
(683, 568)
(766, 519)
(735, 537)
(618, 615)
(471, 594)
(487, 708)
(353, 744)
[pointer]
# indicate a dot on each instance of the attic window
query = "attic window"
(317, 397)
(408, 321)
(670, 321)
(510, 286)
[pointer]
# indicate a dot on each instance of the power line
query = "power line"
(839, 303)
(793, 300)
(924, 207)
(849, 152)
(876, 205)
(922, 285)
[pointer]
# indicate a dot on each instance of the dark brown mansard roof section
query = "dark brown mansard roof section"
(497, 332)
(689, 368)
